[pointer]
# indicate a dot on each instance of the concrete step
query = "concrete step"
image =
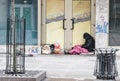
(67, 79)
(58, 79)
(28, 76)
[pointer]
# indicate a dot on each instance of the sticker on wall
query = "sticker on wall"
(33, 50)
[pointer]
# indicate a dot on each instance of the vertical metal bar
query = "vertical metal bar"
(24, 43)
(7, 44)
(13, 34)
(14, 54)
(10, 54)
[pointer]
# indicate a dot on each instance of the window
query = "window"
(114, 23)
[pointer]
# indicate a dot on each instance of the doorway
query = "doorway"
(65, 22)
(28, 10)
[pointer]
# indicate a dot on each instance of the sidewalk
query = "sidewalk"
(63, 79)
(63, 67)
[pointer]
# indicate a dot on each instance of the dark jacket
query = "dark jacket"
(89, 42)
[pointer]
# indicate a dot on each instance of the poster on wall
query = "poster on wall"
(33, 50)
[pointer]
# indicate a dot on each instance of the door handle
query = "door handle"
(72, 24)
(64, 24)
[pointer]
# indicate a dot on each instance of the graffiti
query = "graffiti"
(102, 6)
(102, 25)
(102, 28)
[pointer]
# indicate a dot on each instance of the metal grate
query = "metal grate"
(106, 64)
(15, 45)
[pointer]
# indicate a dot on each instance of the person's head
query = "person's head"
(86, 36)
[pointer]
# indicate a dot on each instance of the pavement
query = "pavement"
(65, 79)
(61, 67)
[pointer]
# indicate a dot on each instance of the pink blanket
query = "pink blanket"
(77, 49)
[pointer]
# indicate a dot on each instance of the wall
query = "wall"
(102, 23)
(3, 19)
(3, 13)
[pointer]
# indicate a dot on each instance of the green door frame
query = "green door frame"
(22, 7)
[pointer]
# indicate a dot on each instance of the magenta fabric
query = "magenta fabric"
(77, 49)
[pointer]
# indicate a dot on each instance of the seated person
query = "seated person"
(88, 46)
(89, 42)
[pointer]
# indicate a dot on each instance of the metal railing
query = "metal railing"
(106, 64)
(15, 46)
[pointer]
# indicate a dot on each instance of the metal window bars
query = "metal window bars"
(105, 67)
(15, 46)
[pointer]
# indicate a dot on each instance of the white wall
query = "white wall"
(102, 16)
